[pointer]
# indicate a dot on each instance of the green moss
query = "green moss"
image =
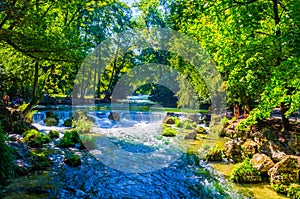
(51, 121)
(70, 139)
(178, 123)
(169, 132)
(169, 120)
(187, 124)
(214, 154)
(200, 129)
(68, 122)
(73, 160)
(53, 134)
(245, 173)
(41, 162)
(35, 139)
(293, 191)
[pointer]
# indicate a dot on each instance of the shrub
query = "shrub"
(35, 139)
(224, 121)
(245, 173)
(40, 162)
(169, 132)
(53, 134)
(70, 139)
(293, 191)
(7, 168)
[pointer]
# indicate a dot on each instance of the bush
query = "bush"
(7, 168)
(293, 191)
(35, 139)
(189, 124)
(68, 122)
(224, 121)
(70, 139)
(40, 162)
(245, 173)
(53, 134)
(169, 132)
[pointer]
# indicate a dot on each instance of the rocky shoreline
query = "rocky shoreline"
(264, 153)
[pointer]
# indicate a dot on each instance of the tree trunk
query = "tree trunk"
(35, 99)
(285, 121)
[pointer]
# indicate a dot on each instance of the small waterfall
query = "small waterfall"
(62, 115)
(39, 117)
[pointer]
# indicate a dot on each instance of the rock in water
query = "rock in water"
(114, 116)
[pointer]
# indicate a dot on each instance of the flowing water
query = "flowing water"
(131, 160)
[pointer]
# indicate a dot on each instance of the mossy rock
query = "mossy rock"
(178, 123)
(51, 121)
(293, 191)
(35, 139)
(187, 124)
(200, 130)
(68, 122)
(70, 139)
(169, 132)
(249, 148)
(214, 154)
(73, 160)
(53, 134)
(169, 120)
(41, 162)
(245, 173)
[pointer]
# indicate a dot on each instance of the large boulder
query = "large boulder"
(190, 136)
(284, 173)
(233, 150)
(273, 150)
(249, 148)
(262, 162)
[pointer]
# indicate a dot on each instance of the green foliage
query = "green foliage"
(293, 191)
(224, 121)
(187, 124)
(200, 130)
(245, 173)
(70, 139)
(35, 139)
(53, 134)
(169, 132)
(7, 168)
